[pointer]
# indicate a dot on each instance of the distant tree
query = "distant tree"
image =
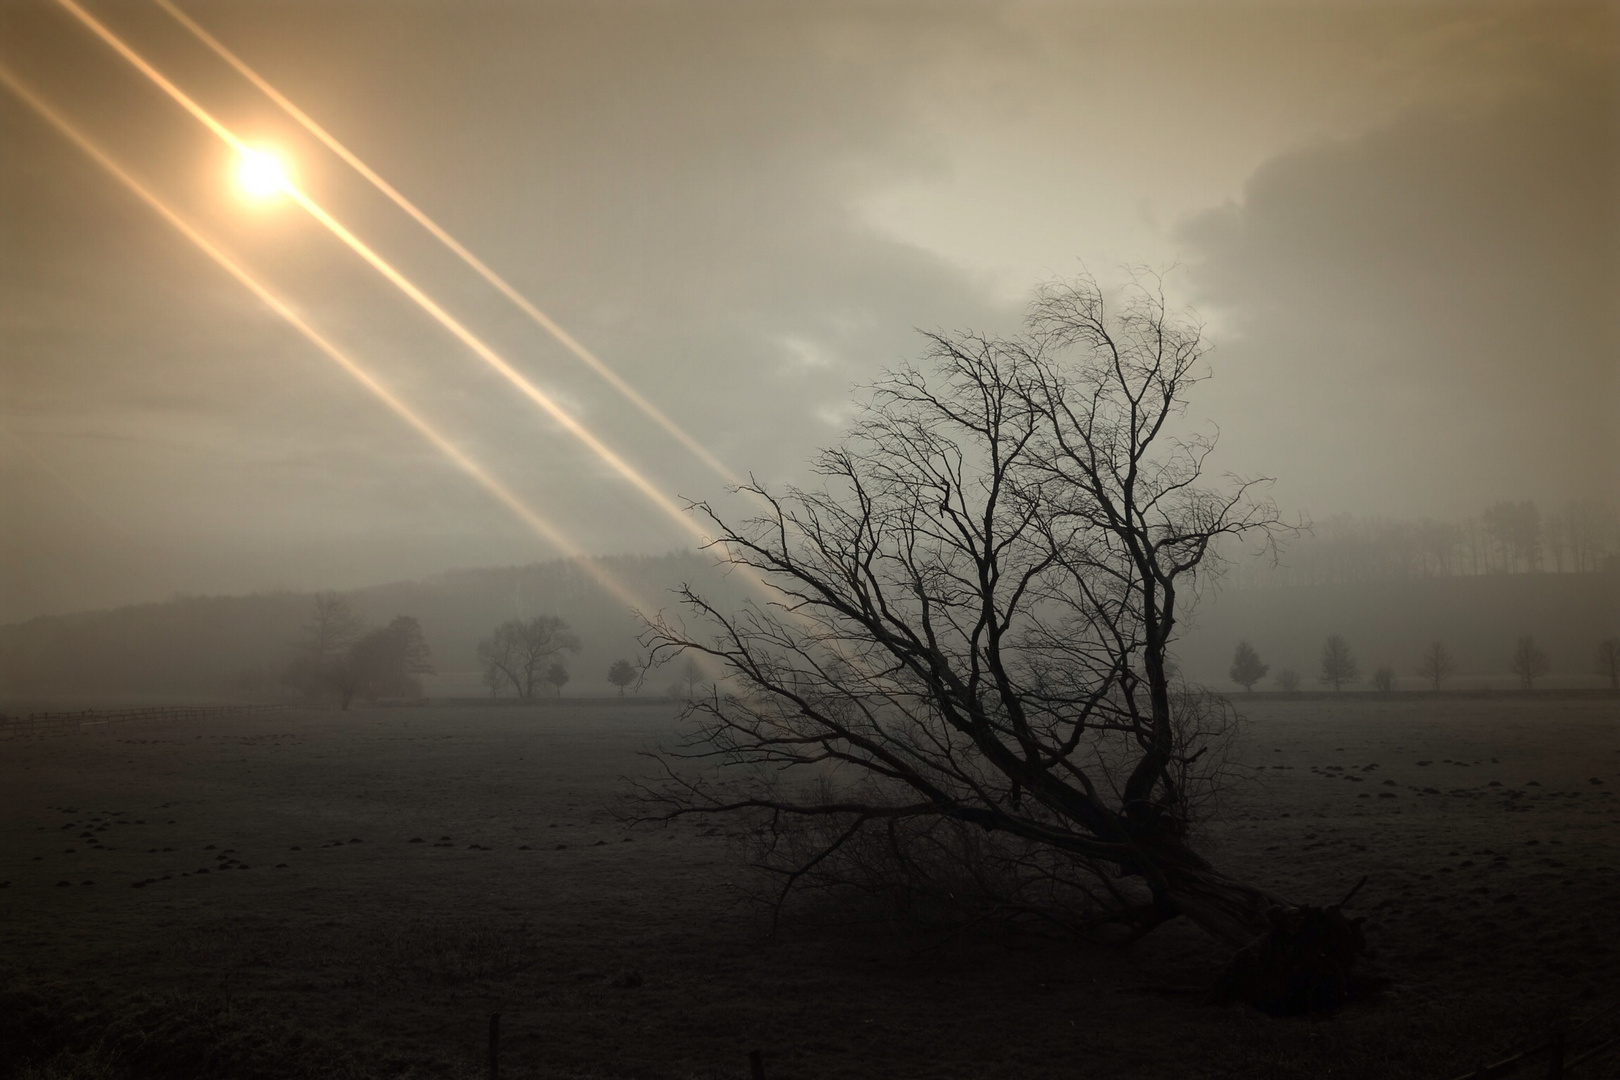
(1288, 681)
(386, 662)
(1384, 679)
(336, 656)
(1338, 663)
(320, 666)
(1555, 529)
(622, 674)
(1529, 662)
(495, 679)
(1592, 534)
(1246, 667)
(1436, 665)
(691, 675)
(1516, 528)
(332, 628)
(1608, 662)
(557, 676)
(518, 650)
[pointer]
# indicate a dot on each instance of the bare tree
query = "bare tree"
(1516, 527)
(494, 678)
(691, 675)
(321, 665)
(1608, 662)
(1288, 681)
(557, 676)
(337, 656)
(1383, 679)
(1436, 665)
(1529, 661)
(1246, 667)
(621, 674)
(966, 649)
(518, 650)
(1338, 663)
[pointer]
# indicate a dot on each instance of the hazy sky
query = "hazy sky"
(1400, 226)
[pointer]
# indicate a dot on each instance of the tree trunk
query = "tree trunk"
(1289, 959)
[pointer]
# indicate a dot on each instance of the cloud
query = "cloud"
(1423, 318)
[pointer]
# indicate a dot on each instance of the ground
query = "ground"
(249, 897)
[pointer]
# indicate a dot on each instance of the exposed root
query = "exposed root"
(1303, 963)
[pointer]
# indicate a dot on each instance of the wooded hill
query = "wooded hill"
(235, 647)
(225, 648)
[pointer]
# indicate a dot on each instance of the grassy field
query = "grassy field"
(325, 894)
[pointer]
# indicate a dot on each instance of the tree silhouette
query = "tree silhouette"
(557, 676)
(965, 663)
(337, 656)
(1383, 679)
(1608, 662)
(691, 675)
(1288, 681)
(1516, 528)
(1338, 663)
(1246, 667)
(386, 662)
(321, 665)
(1529, 662)
(621, 674)
(1436, 665)
(518, 649)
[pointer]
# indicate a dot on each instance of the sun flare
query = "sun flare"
(260, 174)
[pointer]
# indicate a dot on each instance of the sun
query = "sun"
(260, 174)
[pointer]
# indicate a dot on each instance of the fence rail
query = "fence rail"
(67, 723)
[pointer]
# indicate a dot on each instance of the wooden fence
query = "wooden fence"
(68, 723)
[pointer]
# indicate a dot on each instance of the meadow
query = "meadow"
(353, 894)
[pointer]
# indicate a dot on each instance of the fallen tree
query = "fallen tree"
(962, 677)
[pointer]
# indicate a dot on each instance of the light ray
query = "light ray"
(675, 512)
(502, 494)
(477, 265)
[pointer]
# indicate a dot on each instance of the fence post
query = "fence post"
(1555, 1064)
(756, 1065)
(494, 1046)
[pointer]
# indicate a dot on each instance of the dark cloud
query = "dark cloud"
(1423, 318)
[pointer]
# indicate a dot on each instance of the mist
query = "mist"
(438, 391)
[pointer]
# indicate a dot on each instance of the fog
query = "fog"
(695, 539)
(1399, 227)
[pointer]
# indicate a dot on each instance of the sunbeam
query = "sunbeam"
(501, 493)
(567, 340)
(539, 397)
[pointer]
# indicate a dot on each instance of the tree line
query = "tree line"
(337, 656)
(1504, 538)
(1528, 661)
